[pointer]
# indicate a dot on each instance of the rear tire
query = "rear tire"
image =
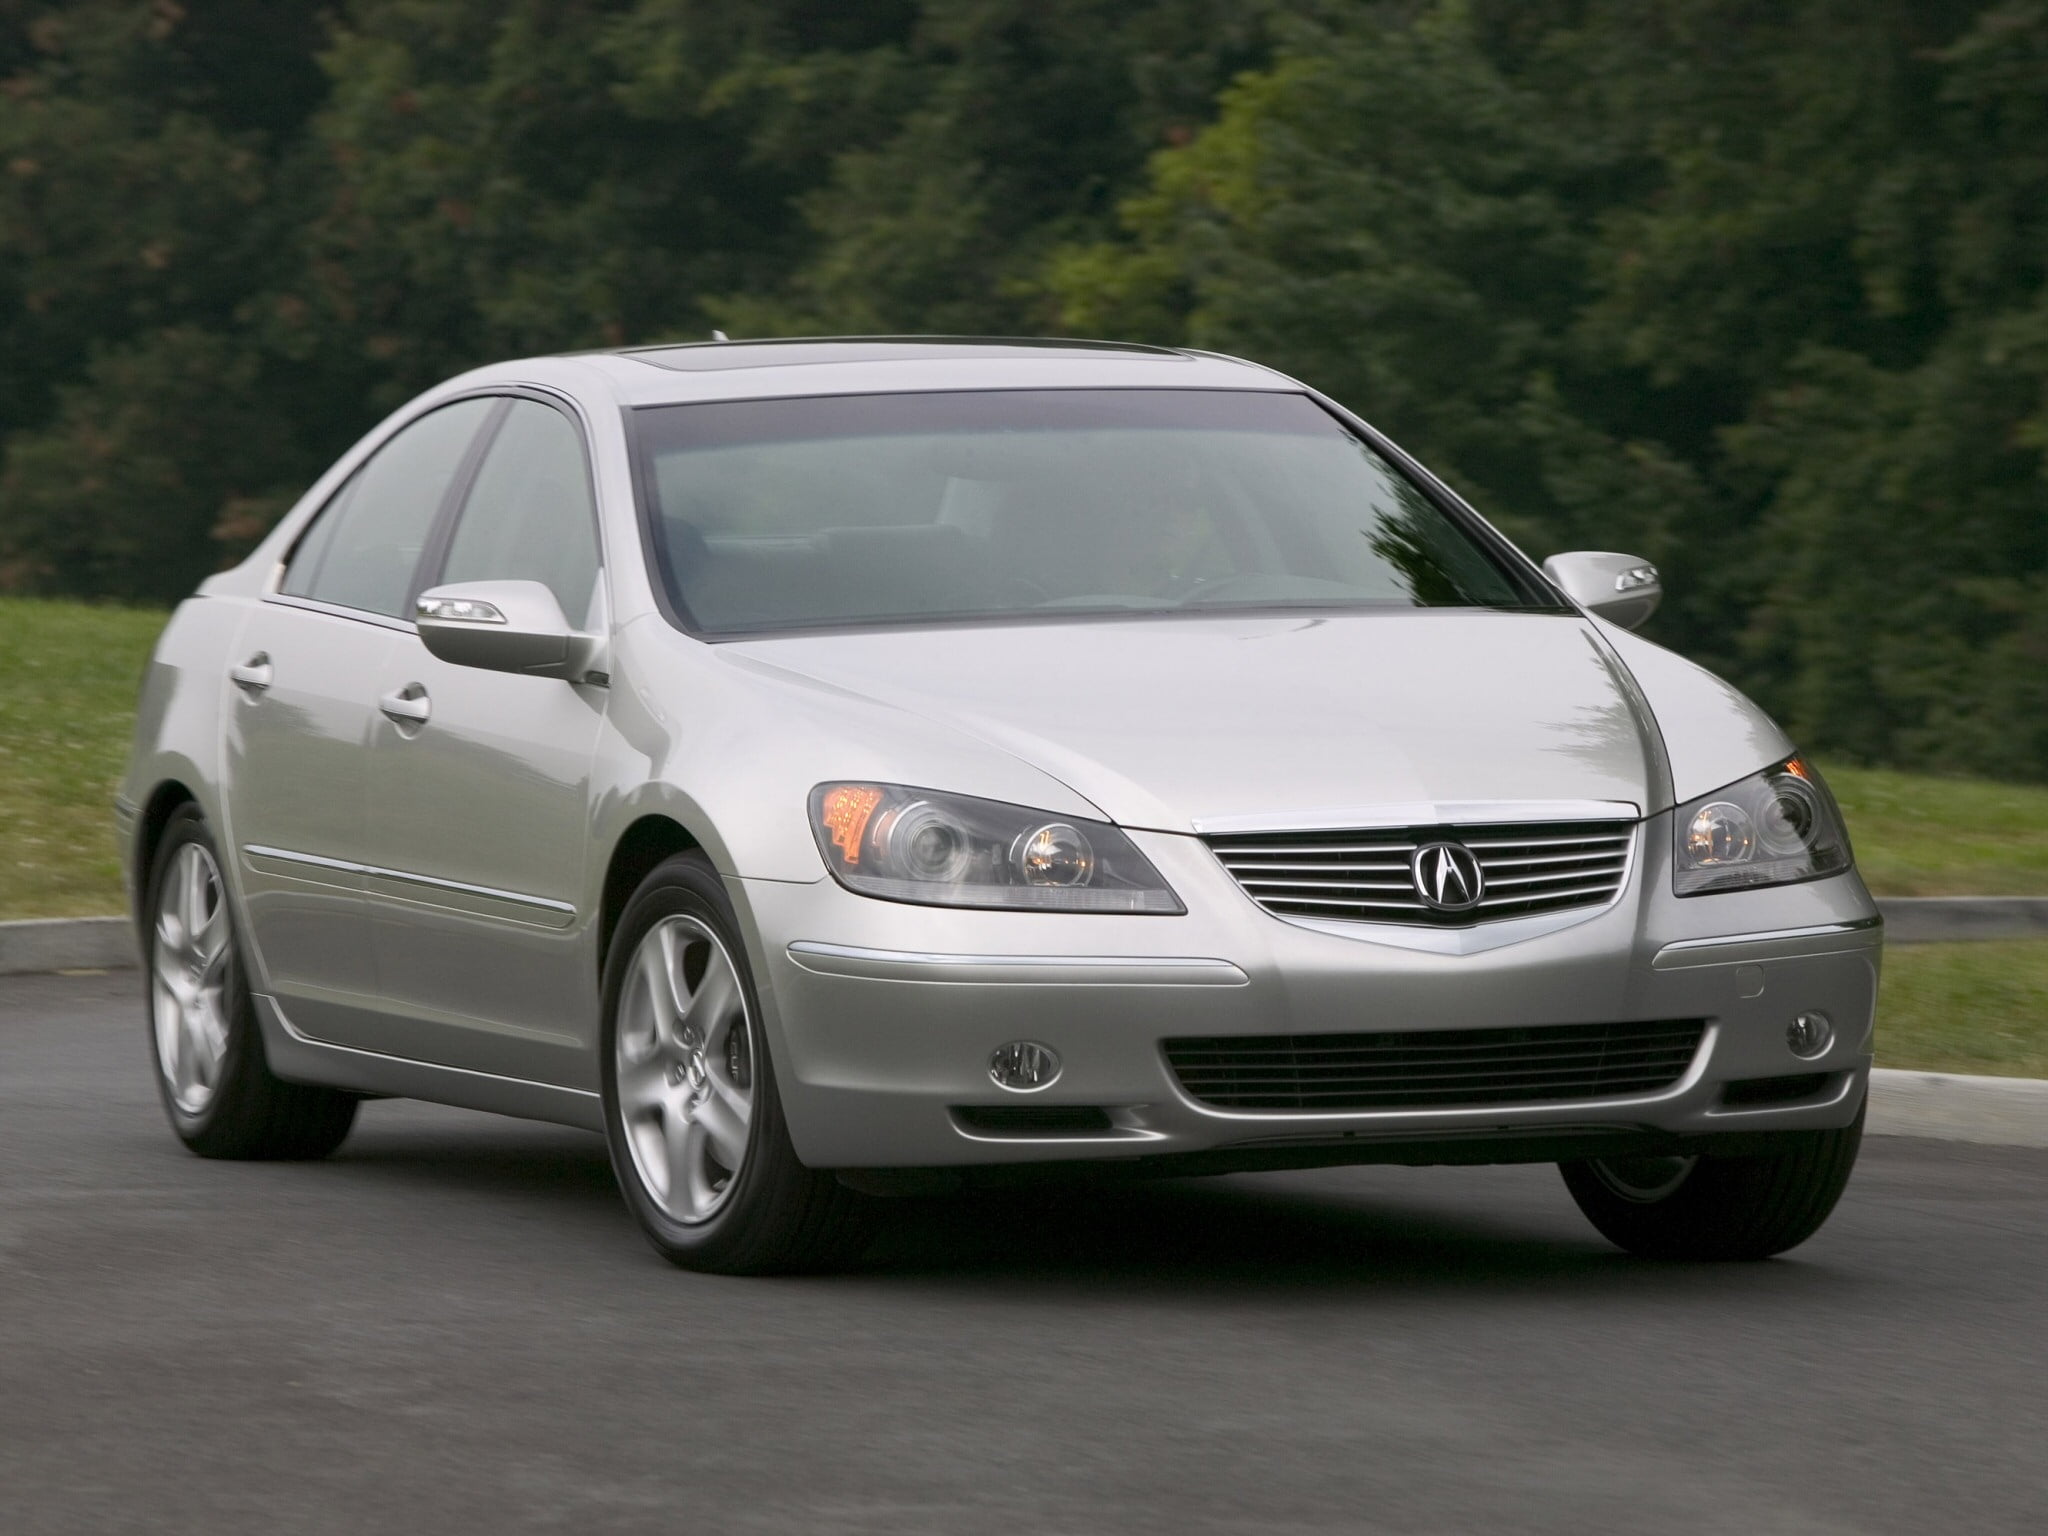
(1714, 1208)
(692, 1116)
(206, 1047)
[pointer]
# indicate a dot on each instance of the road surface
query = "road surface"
(452, 1326)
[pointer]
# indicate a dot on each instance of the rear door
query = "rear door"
(479, 814)
(303, 685)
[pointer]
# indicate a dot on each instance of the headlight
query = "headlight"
(1772, 828)
(955, 851)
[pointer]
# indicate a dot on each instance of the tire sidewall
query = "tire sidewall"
(687, 886)
(189, 825)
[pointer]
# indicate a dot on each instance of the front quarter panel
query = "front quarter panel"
(1713, 735)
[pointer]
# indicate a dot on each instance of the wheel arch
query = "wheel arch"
(164, 802)
(647, 842)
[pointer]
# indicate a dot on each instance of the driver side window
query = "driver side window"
(530, 515)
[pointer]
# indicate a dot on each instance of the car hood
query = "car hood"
(1185, 724)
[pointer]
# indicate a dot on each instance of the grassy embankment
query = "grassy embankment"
(68, 675)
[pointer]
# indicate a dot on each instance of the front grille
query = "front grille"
(1434, 1069)
(1365, 876)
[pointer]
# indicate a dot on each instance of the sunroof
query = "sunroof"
(710, 355)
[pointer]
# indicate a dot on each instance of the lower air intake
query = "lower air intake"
(1434, 1069)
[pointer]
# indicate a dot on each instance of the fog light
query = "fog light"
(1809, 1035)
(1023, 1065)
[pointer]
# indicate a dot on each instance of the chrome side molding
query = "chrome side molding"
(555, 914)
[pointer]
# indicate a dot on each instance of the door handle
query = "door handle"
(253, 674)
(408, 705)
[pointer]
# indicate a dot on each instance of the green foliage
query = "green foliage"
(1758, 291)
(1754, 290)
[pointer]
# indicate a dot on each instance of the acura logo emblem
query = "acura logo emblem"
(1447, 876)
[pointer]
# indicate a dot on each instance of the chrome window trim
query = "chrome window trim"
(337, 611)
(406, 877)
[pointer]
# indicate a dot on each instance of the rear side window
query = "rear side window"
(530, 515)
(364, 548)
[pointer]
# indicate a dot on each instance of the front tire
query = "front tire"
(695, 1125)
(1714, 1208)
(216, 1086)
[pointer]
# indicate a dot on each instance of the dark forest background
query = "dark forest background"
(1752, 287)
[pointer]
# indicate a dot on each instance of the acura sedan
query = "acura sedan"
(836, 768)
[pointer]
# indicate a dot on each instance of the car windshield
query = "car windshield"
(874, 509)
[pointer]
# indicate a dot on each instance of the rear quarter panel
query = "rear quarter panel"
(177, 722)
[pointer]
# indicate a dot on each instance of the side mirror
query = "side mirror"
(503, 626)
(1622, 589)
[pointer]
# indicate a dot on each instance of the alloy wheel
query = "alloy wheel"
(188, 982)
(685, 1071)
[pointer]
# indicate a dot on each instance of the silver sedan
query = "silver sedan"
(838, 768)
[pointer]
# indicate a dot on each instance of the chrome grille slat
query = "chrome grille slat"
(1337, 901)
(1604, 888)
(1326, 885)
(1363, 874)
(1620, 851)
(1348, 867)
(1255, 849)
(1545, 842)
(1567, 875)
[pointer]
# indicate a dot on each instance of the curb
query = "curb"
(1942, 919)
(67, 944)
(1948, 1106)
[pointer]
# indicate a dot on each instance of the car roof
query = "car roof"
(836, 365)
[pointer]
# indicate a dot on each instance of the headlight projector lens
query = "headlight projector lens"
(1721, 833)
(1055, 854)
(1810, 1035)
(926, 843)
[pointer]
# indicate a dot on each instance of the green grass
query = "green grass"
(1965, 1008)
(68, 679)
(1917, 835)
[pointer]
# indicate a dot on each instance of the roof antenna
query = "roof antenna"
(720, 336)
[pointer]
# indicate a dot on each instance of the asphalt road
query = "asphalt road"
(452, 1326)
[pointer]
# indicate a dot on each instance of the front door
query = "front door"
(479, 813)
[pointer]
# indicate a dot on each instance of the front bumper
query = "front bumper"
(882, 1017)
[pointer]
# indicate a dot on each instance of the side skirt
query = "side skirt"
(298, 1059)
